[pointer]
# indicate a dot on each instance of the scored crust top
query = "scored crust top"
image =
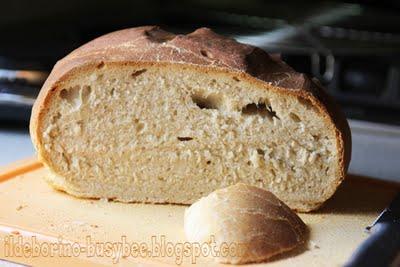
(202, 48)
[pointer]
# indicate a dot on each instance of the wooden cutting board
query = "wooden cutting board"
(76, 231)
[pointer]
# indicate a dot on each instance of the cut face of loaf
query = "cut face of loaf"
(170, 132)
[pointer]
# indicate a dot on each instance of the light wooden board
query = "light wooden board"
(31, 211)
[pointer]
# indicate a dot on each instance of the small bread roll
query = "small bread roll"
(253, 222)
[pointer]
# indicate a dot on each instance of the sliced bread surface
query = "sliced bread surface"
(143, 115)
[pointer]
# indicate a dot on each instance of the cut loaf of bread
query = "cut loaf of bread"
(143, 115)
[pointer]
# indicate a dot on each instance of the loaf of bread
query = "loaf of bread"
(251, 221)
(143, 115)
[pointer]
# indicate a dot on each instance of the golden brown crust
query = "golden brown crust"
(202, 49)
(251, 218)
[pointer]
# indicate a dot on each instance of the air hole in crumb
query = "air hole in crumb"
(85, 93)
(137, 73)
(64, 93)
(56, 117)
(272, 112)
(208, 162)
(139, 125)
(260, 152)
(236, 79)
(205, 53)
(249, 163)
(307, 103)
(66, 160)
(100, 65)
(185, 138)
(112, 92)
(316, 137)
(210, 102)
(260, 109)
(294, 117)
(75, 96)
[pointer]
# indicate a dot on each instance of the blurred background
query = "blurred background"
(352, 47)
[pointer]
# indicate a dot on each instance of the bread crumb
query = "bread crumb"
(15, 232)
(94, 226)
(313, 245)
(20, 207)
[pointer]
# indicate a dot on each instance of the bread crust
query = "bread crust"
(203, 50)
(253, 219)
